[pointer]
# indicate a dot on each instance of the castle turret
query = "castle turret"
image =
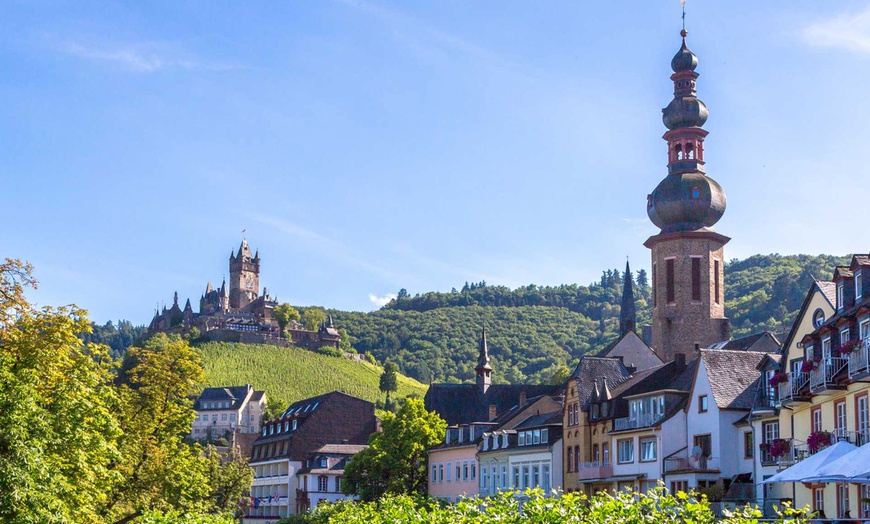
(483, 369)
(627, 315)
(687, 255)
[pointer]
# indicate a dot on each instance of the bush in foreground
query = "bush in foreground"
(532, 506)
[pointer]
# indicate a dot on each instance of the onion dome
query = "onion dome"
(686, 111)
(684, 60)
(686, 202)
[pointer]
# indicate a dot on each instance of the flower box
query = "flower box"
(778, 378)
(848, 347)
(819, 440)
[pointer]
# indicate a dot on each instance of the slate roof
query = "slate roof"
(674, 376)
(731, 374)
(593, 369)
(467, 403)
(234, 394)
(829, 289)
(743, 343)
(542, 419)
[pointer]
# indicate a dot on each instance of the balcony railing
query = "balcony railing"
(687, 463)
(797, 452)
(859, 360)
(858, 438)
(822, 377)
(595, 470)
(644, 420)
(789, 391)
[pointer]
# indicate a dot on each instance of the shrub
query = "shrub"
(330, 351)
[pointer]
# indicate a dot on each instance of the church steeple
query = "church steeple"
(627, 314)
(687, 255)
(483, 369)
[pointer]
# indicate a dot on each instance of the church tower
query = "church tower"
(244, 277)
(687, 255)
(483, 369)
(627, 313)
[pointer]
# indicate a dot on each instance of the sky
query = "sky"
(365, 146)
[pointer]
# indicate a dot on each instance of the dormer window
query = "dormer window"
(286, 425)
(840, 299)
(858, 285)
(271, 430)
(264, 431)
(294, 424)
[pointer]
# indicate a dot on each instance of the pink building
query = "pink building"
(453, 465)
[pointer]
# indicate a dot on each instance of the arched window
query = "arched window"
(678, 149)
(690, 151)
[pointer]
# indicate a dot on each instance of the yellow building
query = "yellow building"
(824, 393)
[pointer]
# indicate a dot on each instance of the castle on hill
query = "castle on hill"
(239, 313)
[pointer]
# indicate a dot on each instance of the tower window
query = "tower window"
(696, 193)
(679, 151)
(696, 278)
(669, 280)
(690, 151)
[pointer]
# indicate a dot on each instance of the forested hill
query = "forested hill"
(534, 330)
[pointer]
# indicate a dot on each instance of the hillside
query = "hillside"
(534, 329)
(292, 374)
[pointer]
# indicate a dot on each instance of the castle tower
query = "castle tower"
(244, 277)
(687, 255)
(483, 369)
(627, 314)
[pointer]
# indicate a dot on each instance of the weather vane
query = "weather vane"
(683, 3)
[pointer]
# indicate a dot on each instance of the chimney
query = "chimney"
(680, 361)
(522, 398)
(492, 412)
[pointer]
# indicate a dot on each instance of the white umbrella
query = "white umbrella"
(852, 467)
(809, 467)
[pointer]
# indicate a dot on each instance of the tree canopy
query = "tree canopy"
(396, 460)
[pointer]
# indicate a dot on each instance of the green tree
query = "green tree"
(560, 375)
(389, 383)
(57, 431)
(229, 477)
(284, 314)
(158, 470)
(312, 317)
(274, 407)
(396, 461)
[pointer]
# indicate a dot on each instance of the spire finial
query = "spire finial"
(683, 32)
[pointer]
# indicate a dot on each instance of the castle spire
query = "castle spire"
(483, 369)
(175, 299)
(627, 315)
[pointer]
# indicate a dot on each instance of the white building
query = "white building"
(320, 479)
(223, 411)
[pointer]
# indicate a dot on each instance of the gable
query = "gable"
(633, 351)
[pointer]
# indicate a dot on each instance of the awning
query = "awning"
(810, 466)
(852, 467)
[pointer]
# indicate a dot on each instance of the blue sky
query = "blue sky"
(367, 146)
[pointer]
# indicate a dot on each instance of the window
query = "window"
(294, 424)
(669, 280)
(647, 449)
(459, 471)
(816, 418)
(625, 451)
(516, 477)
(264, 432)
(338, 481)
(861, 421)
(464, 470)
(859, 291)
(704, 443)
(595, 455)
(576, 458)
(214, 418)
(716, 281)
(844, 336)
(826, 349)
(473, 470)
(504, 477)
(434, 473)
(605, 453)
(864, 330)
(521, 438)
(748, 447)
(696, 192)
(696, 278)
(864, 492)
(819, 499)
(840, 418)
(570, 460)
(679, 485)
(702, 404)
(769, 433)
(545, 478)
(842, 498)
(525, 483)
(440, 472)
(322, 482)
(840, 304)
(449, 471)
(286, 425)
(537, 436)
(271, 430)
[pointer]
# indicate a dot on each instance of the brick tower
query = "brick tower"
(687, 255)
(244, 277)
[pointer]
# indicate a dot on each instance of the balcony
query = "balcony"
(793, 390)
(859, 362)
(643, 420)
(595, 470)
(822, 378)
(688, 464)
(858, 438)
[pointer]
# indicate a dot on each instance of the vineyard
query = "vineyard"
(292, 374)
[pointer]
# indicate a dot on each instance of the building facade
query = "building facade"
(320, 478)
(287, 443)
(221, 412)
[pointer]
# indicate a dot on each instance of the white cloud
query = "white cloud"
(381, 301)
(849, 31)
(144, 57)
